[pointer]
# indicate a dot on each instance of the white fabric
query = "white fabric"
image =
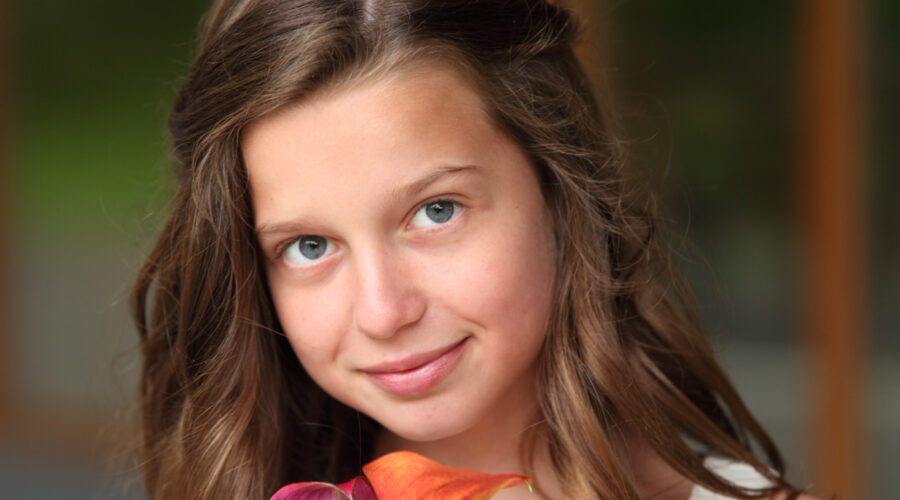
(738, 473)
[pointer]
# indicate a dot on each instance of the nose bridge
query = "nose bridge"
(386, 298)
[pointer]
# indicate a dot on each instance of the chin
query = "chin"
(425, 435)
(425, 428)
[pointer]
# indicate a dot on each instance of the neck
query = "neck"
(494, 446)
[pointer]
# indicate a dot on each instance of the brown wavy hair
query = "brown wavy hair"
(229, 412)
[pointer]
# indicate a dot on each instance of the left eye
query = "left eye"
(307, 250)
(434, 213)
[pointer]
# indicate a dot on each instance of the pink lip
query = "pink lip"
(416, 373)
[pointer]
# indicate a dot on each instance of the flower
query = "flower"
(406, 475)
(356, 489)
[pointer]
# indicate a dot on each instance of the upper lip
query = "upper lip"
(412, 361)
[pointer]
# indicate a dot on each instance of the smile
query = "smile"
(416, 373)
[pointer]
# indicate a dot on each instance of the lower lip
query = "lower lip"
(420, 378)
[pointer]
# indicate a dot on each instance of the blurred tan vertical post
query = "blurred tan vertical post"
(831, 195)
(593, 49)
(6, 100)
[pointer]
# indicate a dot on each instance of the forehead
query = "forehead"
(418, 92)
(368, 136)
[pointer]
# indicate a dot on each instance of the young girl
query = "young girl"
(403, 225)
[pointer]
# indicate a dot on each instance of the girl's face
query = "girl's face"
(408, 250)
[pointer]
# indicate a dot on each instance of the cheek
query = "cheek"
(312, 322)
(507, 284)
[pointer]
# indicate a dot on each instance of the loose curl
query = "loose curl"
(229, 412)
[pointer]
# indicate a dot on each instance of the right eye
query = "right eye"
(307, 250)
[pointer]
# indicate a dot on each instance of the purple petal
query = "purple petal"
(311, 491)
(360, 489)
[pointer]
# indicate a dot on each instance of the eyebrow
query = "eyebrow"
(417, 186)
(401, 192)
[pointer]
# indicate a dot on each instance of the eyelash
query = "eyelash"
(458, 209)
(282, 247)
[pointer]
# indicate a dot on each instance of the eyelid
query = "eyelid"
(282, 248)
(459, 208)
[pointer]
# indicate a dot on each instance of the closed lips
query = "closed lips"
(417, 373)
(411, 362)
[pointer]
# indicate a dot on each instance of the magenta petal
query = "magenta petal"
(355, 489)
(360, 489)
(310, 491)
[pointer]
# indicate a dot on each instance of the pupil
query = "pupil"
(313, 247)
(439, 211)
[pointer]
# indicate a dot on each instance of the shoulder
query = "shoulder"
(738, 473)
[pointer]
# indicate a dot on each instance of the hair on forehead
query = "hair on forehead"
(385, 64)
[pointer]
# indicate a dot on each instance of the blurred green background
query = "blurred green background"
(709, 97)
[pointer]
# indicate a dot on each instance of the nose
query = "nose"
(387, 296)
